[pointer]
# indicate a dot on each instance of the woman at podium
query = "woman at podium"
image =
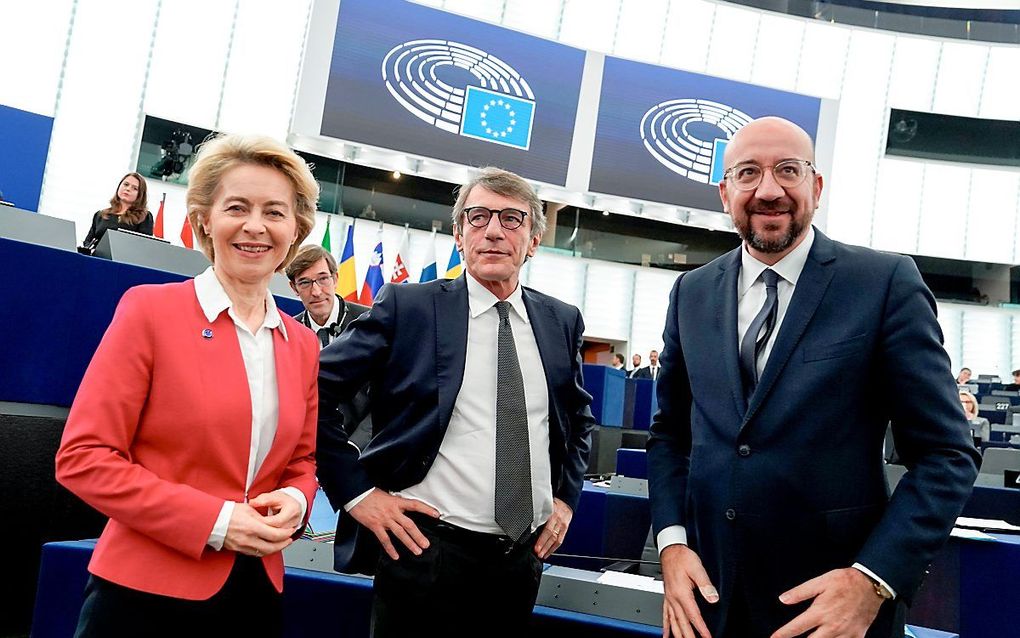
(128, 210)
(193, 429)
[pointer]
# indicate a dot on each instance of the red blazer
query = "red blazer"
(159, 434)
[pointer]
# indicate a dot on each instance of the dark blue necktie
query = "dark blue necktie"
(753, 343)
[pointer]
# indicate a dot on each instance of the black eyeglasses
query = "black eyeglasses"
(788, 174)
(509, 218)
(324, 282)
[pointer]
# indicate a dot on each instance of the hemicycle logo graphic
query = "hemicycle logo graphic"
(499, 109)
(688, 136)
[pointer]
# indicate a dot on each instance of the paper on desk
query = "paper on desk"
(987, 524)
(973, 534)
(631, 581)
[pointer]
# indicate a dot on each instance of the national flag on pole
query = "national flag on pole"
(186, 237)
(429, 271)
(453, 266)
(325, 237)
(157, 227)
(347, 279)
(373, 278)
(399, 275)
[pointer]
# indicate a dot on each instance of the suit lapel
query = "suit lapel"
(726, 307)
(451, 311)
(543, 324)
(811, 286)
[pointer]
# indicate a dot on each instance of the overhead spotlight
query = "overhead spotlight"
(605, 213)
(396, 174)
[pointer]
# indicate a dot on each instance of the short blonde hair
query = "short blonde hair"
(506, 184)
(220, 154)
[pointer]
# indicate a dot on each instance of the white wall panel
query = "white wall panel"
(488, 10)
(540, 18)
(944, 203)
(688, 34)
(97, 117)
(262, 73)
(590, 24)
(188, 61)
(860, 136)
(651, 301)
(985, 344)
(912, 82)
(32, 49)
(897, 205)
(961, 74)
(822, 60)
(640, 30)
(561, 276)
(777, 56)
(609, 290)
(1000, 98)
(734, 35)
(991, 221)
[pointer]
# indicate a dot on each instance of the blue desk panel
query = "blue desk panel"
(645, 403)
(606, 387)
(52, 328)
(315, 603)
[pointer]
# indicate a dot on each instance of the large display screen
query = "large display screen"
(427, 82)
(661, 132)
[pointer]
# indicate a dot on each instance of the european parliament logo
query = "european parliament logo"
(499, 109)
(689, 136)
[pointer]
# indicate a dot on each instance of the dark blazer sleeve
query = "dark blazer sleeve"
(669, 441)
(345, 367)
(145, 226)
(930, 432)
(91, 235)
(579, 427)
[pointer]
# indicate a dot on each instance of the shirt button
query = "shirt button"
(744, 450)
(731, 514)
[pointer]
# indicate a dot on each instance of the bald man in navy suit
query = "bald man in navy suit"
(769, 501)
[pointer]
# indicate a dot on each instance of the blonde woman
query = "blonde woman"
(194, 427)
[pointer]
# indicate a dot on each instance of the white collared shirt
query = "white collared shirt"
(260, 367)
(461, 483)
(750, 299)
(751, 289)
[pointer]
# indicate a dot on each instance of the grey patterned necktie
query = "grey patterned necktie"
(513, 505)
(753, 343)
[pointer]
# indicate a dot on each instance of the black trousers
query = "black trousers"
(247, 605)
(465, 584)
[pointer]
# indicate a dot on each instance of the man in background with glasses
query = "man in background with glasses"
(766, 476)
(482, 434)
(312, 276)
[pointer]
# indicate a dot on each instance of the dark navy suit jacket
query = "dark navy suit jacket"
(410, 349)
(789, 484)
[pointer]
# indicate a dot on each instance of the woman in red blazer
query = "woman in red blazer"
(194, 427)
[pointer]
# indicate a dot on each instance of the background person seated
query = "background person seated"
(964, 376)
(128, 210)
(979, 425)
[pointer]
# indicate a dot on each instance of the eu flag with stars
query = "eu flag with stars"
(497, 117)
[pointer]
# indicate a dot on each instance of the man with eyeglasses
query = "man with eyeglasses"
(312, 276)
(766, 477)
(482, 433)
